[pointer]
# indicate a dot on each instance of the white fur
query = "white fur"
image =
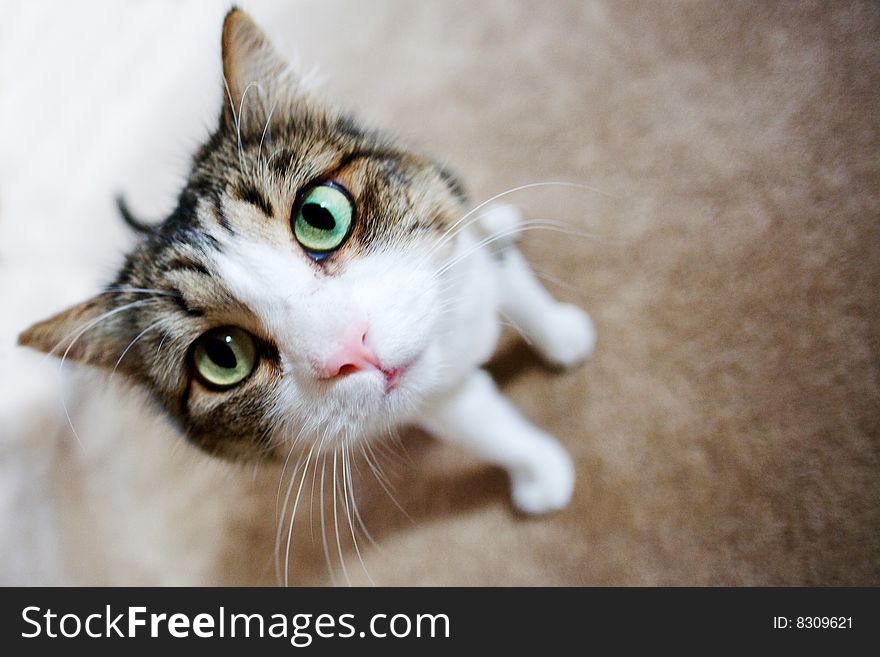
(306, 315)
(444, 327)
(562, 333)
(471, 412)
(476, 416)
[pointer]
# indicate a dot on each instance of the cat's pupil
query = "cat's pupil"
(318, 216)
(221, 353)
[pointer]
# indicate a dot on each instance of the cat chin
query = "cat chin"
(354, 407)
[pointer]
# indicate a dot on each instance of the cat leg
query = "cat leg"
(477, 416)
(562, 333)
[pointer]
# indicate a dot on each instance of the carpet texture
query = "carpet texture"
(726, 429)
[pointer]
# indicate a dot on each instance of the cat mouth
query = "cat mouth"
(391, 376)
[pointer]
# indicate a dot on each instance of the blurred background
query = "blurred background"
(726, 430)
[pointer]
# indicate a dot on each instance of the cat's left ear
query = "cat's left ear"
(94, 332)
(257, 78)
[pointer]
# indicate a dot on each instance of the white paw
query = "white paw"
(571, 336)
(547, 482)
(501, 222)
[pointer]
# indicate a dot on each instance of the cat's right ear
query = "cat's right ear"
(257, 78)
(90, 332)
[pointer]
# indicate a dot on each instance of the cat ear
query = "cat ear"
(255, 74)
(90, 332)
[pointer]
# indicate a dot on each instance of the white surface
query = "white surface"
(95, 98)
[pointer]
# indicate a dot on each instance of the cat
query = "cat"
(318, 285)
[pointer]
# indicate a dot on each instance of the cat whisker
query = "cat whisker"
(161, 343)
(78, 335)
(271, 157)
(139, 290)
(508, 321)
(281, 523)
(550, 278)
(348, 491)
(236, 122)
(312, 492)
(132, 343)
(373, 463)
(451, 232)
(252, 83)
(534, 224)
(293, 517)
(392, 447)
(336, 523)
(70, 421)
(354, 506)
(283, 470)
(387, 487)
(323, 526)
(266, 129)
(486, 241)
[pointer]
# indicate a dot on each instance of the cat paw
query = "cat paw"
(501, 222)
(547, 485)
(572, 336)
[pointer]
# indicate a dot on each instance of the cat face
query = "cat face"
(293, 294)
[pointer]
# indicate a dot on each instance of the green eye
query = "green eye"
(225, 356)
(322, 218)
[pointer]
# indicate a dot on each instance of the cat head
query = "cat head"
(293, 292)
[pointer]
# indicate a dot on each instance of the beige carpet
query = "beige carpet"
(726, 430)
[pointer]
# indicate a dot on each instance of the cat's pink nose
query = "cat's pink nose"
(353, 355)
